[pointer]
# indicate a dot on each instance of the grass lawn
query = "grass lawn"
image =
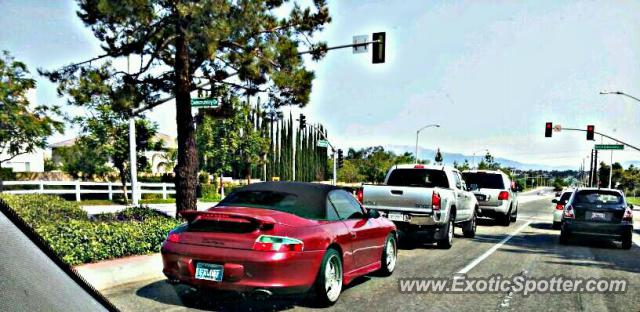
(634, 200)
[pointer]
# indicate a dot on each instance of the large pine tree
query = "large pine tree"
(218, 46)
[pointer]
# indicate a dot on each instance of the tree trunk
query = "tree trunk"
(123, 180)
(187, 168)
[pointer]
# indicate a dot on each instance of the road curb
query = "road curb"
(111, 273)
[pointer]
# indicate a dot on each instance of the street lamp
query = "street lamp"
(474, 155)
(623, 94)
(418, 134)
(619, 93)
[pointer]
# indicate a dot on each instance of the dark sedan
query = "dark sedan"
(598, 212)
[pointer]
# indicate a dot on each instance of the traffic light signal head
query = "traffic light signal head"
(340, 158)
(590, 132)
(548, 130)
(303, 121)
(379, 47)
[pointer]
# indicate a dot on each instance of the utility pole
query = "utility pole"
(293, 151)
(133, 166)
(611, 169)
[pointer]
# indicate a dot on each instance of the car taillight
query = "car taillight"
(559, 206)
(568, 212)
(435, 201)
(504, 195)
(628, 215)
(360, 195)
(277, 243)
(174, 237)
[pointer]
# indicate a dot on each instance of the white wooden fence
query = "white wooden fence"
(79, 187)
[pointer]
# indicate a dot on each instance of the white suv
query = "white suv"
(496, 196)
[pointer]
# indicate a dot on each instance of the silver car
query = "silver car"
(559, 207)
(495, 193)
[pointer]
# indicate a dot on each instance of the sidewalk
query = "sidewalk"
(110, 273)
(169, 209)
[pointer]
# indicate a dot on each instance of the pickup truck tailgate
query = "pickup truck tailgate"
(403, 198)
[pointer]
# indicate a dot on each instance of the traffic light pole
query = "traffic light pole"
(604, 135)
(344, 46)
(335, 155)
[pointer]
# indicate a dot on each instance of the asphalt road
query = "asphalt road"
(532, 249)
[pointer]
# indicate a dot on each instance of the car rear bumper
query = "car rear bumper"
(557, 215)
(244, 270)
(415, 218)
(486, 210)
(597, 229)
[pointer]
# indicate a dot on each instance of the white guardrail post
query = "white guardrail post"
(78, 190)
(110, 186)
(164, 190)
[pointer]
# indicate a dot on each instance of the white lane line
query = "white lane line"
(492, 250)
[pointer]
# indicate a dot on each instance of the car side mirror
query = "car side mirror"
(631, 206)
(554, 201)
(373, 214)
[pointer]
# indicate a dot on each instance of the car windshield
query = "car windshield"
(599, 197)
(279, 201)
(418, 177)
(484, 180)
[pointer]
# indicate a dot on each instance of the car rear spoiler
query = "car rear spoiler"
(264, 222)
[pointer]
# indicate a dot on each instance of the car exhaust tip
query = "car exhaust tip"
(173, 281)
(261, 294)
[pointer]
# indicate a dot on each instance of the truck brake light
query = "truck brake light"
(435, 201)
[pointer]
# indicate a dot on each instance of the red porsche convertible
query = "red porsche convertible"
(281, 237)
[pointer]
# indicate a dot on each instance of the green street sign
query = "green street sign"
(323, 143)
(211, 102)
(609, 147)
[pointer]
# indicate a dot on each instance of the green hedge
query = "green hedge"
(76, 239)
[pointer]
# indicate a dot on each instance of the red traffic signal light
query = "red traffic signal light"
(590, 132)
(547, 130)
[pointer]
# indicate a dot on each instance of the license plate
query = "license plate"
(209, 271)
(395, 217)
(598, 216)
(481, 197)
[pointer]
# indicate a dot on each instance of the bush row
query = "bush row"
(77, 239)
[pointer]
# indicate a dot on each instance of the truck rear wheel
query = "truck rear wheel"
(447, 240)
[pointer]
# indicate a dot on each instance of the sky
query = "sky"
(491, 73)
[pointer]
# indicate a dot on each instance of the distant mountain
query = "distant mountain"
(449, 158)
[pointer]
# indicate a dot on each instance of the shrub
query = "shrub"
(37, 209)
(7, 174)
(209, 192)
(76, 239)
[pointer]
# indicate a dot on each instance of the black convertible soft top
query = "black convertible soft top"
(310, 198)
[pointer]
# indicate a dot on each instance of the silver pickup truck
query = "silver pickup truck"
(422, 199)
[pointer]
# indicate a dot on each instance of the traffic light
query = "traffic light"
(379, 39)
(590, 132)
(548, 130)
(340, 158)
(303, 121)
